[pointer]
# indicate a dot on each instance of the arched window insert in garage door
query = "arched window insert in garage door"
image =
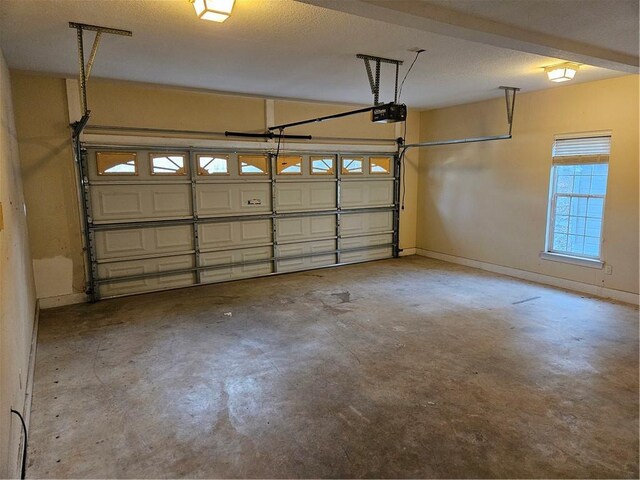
(189, 217)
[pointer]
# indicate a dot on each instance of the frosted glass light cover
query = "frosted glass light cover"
(214, 10)
(561, 73)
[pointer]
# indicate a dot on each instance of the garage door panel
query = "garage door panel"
(308, 248)
(323, 195)
(368, 241)
(146, 285)
(290, 196)
(381, 193)
(146, 266)
(255, 232)
(176, 238)
(237, 271)
(214, 199)
(120, 243)
(305, 228)
(369, 193)
(363, 223)
(116, 202)
(111, 244)
(113, 203)
(234, 234)
(305, 196)
(350, 196)
(237, 198)
(365, 255)
(255, 199)
(306, 263)
(172, 203)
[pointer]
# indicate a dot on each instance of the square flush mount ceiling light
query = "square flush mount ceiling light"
(562, 72)
(214, 10)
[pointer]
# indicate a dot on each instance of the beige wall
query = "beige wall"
(488, 201)
(50, 186)
(17, 295)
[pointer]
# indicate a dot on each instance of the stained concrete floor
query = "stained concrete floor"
(398, 368)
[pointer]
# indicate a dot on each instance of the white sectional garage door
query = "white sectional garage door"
(166, 218)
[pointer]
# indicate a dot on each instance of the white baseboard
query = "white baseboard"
(595, 290)
(61, 300)
(407, 251)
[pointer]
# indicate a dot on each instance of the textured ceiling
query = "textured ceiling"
(611, 24)
(277, 48)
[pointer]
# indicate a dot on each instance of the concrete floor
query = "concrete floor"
(398, 368)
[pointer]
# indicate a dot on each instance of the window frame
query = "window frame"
(281, 172)
(551, 253)
(266, 160)
(354, 157)
(185, 160)
(135, 172)
(388, 172)
(213, 157)
(323, 158)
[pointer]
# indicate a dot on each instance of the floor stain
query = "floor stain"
(345, 297)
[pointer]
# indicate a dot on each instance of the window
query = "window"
(577, 196)
(379, 165)
(169, 164)
(351, 165)
(213, 164)
(322, 165)
(253, 164)
(289, 165)
(117, 163)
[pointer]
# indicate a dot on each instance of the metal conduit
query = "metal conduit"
(510, 103)
(459, 140)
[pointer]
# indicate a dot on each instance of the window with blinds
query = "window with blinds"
(577, 195)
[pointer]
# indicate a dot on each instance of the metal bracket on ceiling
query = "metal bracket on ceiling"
(510, 99)
(374, 82)
(85, 71)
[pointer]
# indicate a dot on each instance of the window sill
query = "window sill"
(583, 262)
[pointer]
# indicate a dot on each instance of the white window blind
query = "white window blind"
(574, 151)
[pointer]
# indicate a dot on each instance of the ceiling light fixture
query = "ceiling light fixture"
(562, 72)
(214, 10)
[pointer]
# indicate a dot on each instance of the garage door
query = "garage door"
(162, 218)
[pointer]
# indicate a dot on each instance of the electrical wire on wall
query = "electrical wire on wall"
(24, 450)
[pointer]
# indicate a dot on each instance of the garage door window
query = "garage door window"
(162, 164)
(117, 163)
(577, 196)
(289, 165)
(379, 165)
(253, 164)
(213, 164)
(322, 165)
(351, 165)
